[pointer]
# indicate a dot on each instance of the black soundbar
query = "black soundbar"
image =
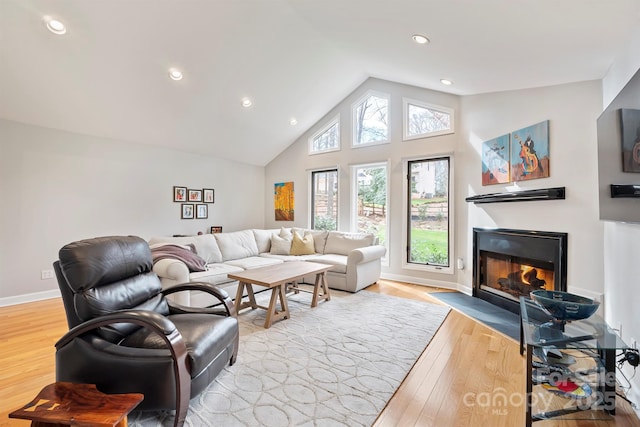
(625, 190)
(557, 193)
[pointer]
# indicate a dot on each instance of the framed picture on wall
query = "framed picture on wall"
(187, 211)
(495, 161)
(194, 195)
(283, 201)
(530, 152)
(208, 195)
(202, 211)
(216, 229)
(179, 194)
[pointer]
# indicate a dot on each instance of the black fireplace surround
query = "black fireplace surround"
(541, 251)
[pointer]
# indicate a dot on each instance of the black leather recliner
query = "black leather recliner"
(125, 336)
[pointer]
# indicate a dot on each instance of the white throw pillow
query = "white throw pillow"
(280, 245)
(286, 233)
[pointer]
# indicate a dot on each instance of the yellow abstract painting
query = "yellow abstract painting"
(283, 201)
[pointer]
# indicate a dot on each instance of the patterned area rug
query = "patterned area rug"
(334, 365)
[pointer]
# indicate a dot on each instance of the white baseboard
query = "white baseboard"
(465, 289)
(36, 296)
(420, 281)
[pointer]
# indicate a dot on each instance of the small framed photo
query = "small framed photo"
(179, 194)
(208, 195)
(187, 211)
(194, 195)
(216, 229)
(202, 211)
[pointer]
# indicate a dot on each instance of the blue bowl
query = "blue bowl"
(563, 305)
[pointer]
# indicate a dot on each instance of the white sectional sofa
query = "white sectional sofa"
(355, 257)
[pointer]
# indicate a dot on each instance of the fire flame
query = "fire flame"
(524, 270)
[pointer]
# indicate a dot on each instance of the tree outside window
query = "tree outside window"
(324, 200)
(428, 233)
(370, 119)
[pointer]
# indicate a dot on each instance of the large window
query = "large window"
(428, 212)
(324, 199)
(326, 139)
(422, 120)
(371, 119)
(370, 203)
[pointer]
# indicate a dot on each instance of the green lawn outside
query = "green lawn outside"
(429, 246)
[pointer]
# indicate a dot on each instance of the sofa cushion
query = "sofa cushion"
(254, 262)
(286, 233)
(280, 245)
(339, 262)
(216, 274)
(342, 243)
(302, 245)
(263, 239)
(205, 244)
(237, 245)
(319, 237)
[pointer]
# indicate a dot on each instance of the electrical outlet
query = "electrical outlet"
(46, 274)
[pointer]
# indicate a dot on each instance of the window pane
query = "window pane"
(324, 202)
(423, 120)
(370, 120)
(327, 140)
(372, 201)
(429, 212)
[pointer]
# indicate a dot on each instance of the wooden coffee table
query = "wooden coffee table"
(276, 277)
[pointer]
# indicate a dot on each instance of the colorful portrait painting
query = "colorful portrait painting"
(630, 127)
(495, 161)
(530, 152)
(283, 201)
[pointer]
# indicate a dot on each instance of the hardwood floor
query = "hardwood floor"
(463, 357)
(28, 333)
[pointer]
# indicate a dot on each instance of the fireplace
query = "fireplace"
(509, 263)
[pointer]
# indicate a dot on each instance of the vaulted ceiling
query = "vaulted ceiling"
(108, 75)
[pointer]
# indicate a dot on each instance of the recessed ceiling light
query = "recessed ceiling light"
(246, 102)
(446, 82)
(420, 39)
(293, 121)
(175, 74)
(55, 26)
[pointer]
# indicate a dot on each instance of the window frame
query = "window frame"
(450, 269)
(354, 121)
(354, 201)
(335, 121)
(440, 108)
(312, 173)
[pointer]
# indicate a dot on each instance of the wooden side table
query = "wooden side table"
(65, 404)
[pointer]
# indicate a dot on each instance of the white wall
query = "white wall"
(572, 110)
(57, 187)
(622, 241)
(294, 164)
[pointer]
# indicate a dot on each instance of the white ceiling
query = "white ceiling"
(295, 58)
